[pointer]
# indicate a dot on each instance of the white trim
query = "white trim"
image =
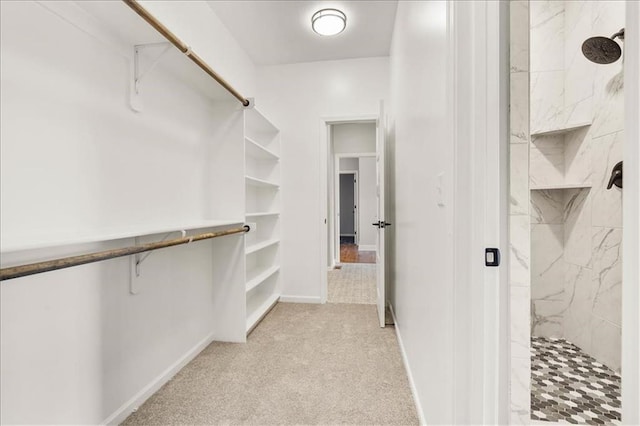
(355, 155)
(145, 393)
(350, 119)
(405, 361)
(300, 299)
(366, 248)
(631, 220)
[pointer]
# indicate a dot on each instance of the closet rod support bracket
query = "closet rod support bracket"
(138, 74)
(135, 263)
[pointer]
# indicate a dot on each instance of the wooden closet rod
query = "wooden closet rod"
(67, 262)
(133, 4)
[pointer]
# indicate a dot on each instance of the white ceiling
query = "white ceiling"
(279, 32)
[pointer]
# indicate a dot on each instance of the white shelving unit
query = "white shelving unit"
(262, 192)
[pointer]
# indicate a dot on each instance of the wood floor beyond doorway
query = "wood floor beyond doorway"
(304, 364)
(349, 253)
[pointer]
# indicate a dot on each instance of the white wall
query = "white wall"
(422, 291)
(368, 207)
(296, 97)
(76, 346)
(354, 138)
(447, 134)
(349, 164)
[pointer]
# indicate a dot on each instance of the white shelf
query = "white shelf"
(556, 132)
(260, 182)
(254, 317)
(262, 214)
(259, 246)
(561, 186)
(256, 121)
(62, 238)
(254, 149)
(259, 276)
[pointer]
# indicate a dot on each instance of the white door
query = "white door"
(381, 224)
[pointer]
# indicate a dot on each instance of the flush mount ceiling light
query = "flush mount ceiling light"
(328, 22)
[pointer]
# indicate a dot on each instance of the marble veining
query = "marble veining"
(519, 217)
(519, 178)
(520, 390)
(547, 35)
(607, 277)
(608, 338)
(547, 100)
(577, 156)
(547, 160)
(519, 111)
(520, 334)
(519, 43)
(577, 224)
(547, 206)
(577, 318)
(519, 251)
(607, 203)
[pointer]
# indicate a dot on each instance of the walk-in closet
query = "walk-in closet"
(268, 212)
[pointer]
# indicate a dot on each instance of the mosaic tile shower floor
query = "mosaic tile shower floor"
(569, 386)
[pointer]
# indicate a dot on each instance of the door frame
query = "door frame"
(332, 207)
(325, 224)
(337, 204)
(631, 218)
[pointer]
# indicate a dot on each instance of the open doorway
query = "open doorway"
(353, 211)
(348, 206)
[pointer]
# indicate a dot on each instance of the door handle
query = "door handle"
(381, 224)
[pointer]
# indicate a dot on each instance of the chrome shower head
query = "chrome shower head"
(603, 50)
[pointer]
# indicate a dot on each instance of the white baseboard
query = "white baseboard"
(300, 299)
(123, 412)
(366, 248)
(405, 360)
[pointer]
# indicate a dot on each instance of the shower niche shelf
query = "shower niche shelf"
(544, 187)
(560, 159)
(561, 131)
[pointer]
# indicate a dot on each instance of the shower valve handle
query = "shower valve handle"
(616, 176)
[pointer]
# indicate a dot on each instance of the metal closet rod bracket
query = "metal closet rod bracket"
(138, 74)
(137, 259)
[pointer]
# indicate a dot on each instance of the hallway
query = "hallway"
(304, 364)
(352, 283)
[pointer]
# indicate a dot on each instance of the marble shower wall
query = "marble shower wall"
(519, 222)
(575, 233)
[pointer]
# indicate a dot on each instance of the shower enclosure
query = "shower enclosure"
(566, 143)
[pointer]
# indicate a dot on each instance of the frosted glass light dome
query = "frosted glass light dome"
(328, 22)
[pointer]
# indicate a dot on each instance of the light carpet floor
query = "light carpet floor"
(353, 283)
(304, 364)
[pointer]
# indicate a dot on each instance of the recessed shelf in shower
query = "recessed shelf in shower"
(562, 130)
(584, 185)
